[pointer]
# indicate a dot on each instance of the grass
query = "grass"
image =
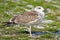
(8, 8)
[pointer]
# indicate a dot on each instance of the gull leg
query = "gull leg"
(30, 31)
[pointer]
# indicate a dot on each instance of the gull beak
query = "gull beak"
(44, 10)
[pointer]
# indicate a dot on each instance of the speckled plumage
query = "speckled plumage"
(27, 18)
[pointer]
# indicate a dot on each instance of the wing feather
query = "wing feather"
(25, 17)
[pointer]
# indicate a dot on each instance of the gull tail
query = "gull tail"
(8, 24)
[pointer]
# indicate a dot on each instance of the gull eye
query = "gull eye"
(39, 8)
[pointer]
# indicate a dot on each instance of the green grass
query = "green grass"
(16, 33)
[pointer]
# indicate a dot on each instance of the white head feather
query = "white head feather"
(39, 9)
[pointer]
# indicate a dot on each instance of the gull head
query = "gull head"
(39, 9)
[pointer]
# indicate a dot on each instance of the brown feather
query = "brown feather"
(26, 17)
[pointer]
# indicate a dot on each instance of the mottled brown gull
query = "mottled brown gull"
(33, 17)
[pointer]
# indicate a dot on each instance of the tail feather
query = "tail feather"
(8, 24)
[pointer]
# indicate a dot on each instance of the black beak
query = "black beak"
(44, 10)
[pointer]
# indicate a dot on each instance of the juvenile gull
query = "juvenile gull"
(33, 17)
